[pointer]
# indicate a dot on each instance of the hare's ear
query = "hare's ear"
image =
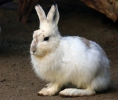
(53, 14)
(41, 13)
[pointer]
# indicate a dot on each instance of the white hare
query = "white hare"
(67, 60)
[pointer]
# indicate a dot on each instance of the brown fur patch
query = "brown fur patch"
(85, 41)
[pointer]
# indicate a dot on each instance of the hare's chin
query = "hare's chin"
(39, 54)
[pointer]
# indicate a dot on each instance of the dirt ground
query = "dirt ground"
(17, 79)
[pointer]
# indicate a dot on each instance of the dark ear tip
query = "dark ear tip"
(54, 3)
(37, 3)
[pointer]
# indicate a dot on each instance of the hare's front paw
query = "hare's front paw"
(51, 89)
(47, 92)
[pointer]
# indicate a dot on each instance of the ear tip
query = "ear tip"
(37, 6)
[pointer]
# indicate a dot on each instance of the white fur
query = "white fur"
(63, 60)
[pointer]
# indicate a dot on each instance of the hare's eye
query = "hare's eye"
(46, 38)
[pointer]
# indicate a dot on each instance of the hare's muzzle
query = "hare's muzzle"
(33, 49)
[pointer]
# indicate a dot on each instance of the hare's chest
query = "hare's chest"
(46, 70)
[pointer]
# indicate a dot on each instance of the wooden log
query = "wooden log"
(107, 7)
(24, 9)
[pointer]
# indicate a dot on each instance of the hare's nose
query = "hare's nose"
(33, 49)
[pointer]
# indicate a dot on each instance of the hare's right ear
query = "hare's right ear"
(41, 13)
(53, 14)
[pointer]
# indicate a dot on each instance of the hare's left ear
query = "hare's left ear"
(53, 14)
(41, 13)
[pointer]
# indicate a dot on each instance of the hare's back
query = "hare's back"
(79, 49)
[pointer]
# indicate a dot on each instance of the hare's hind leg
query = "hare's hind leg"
(77, 92)
(51, 89)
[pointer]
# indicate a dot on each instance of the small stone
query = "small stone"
(3, 80)
(32, 83)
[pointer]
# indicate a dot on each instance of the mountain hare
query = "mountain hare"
(64, 60)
